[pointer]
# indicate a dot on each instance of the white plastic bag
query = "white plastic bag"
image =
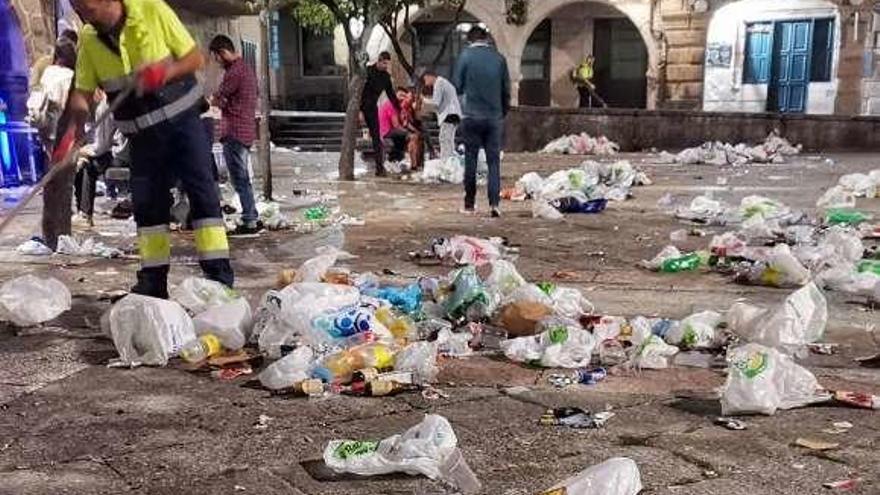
(836, 197)
(798, 321)
(466, 250)
(616, 476)
(668, 253)
(198, 294)
(419, 358)
(762, 380)
(29, 300)
(503, 280)
(543, 209)
(695, 332)
(313, 270)
(569, 302)
(148, 331)
(529, 184)
(230, 322)
(429, 448)
(292, 368)
(651, 353)
(562, 343)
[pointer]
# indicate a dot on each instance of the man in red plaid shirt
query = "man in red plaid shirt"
(237, 99)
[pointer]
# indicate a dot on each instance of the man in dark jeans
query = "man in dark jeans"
(482, 78)
(237, 99)
(378, 82)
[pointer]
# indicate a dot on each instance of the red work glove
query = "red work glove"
(63, 147)
(152, 77)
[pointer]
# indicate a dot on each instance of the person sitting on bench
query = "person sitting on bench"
(398, 127)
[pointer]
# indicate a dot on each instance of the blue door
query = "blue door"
(790, 78)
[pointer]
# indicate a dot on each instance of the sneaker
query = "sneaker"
(468, 211)
(495, 213)
(246, 230)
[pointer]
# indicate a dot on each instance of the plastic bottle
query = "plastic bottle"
(845, 216)
(305, 388)
(686, 263)
(589, 376)
(870, 266)
(379, 388)
(202, 348)
(316, 213)
(340, 366)
(402, 328)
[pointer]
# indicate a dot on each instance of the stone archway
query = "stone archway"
(638, 12)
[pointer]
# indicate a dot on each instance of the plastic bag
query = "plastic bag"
(836, 197)
(430, 448)
(616, 476)
(29, 300)
(419, 358)
(529, 184)
(468, 292)
(198, 294)
(668, 253)
(521, 318)
(798, 321)
(762, 380)
(449, 170)
(286, 316)
(562, 343)
(465, 250)
(652, 353)
(230, 322)
(569, 302)
(33, 247)
(292, 368)
(407, 299)
(503, 280)
(861, 185)
(454, 344)
(779, 268)
(313, 270)
(543, 209)
(695, 332)
(148, 331)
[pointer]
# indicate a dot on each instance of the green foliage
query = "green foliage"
(314, 16)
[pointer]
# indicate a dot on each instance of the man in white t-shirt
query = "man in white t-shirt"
(445, 99)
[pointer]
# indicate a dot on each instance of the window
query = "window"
(536, 54)
(759, 44)
(318, 57)
(823, 50)
(249, 54)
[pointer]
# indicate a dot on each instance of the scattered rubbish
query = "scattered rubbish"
(790, 327)
(838, 427)
(857, 399)
(35, 246)
(72, 247)
(731, 423)
(561, 343)
(823, 348)
(587, 376)
(429, 448)
(849, 484)
(148, 331)
(465, 250)
(582, 144)
(449, 171)
(575, 417)
(262, 422)
(813, 444)
(774, 149)
(30, 300)
(199, 294)
(616, 476)
(762, 380)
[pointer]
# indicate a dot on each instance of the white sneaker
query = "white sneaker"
(467, 212)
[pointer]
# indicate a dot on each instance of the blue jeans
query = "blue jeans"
(486, 134)
(236, 155)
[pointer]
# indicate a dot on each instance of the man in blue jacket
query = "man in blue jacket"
(482, 80)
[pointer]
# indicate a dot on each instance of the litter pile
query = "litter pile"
(584, 189)
(774, 149)
(450, 170)
(582, 144)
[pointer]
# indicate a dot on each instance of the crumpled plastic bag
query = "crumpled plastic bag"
(430, 448)
(667, 253)
(33, 247)
(148, 331)
(695, 332)
(860, 185)
(419, 358)
(271, 216)
(582, 144)
(616, 476)
(529, 185)
(569, 302)
(230, 322)
(651, 353)
(286, 316)
(292, 368)
(798, 321)
(543, 209)
(703, 209)
(503, 280)
(836, 197)
(314, 269)
(198, 294)
(29, 300)
(72, 247)
(778, 268)
(562, 343)
(761, 380)
(449, 170)
(466, 250)
(469, 293)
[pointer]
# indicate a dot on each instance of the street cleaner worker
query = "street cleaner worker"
(143, 43)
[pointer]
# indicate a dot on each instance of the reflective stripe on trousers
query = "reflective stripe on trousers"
(154, 246)
(211, 242)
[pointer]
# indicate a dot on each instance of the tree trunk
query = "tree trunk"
(264, 155)
(352, 124)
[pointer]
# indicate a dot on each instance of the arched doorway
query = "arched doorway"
(566, 34)
(15, 139)
(779, 56)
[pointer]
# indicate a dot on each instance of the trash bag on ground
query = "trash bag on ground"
(503, 280)
(616, 476)
(33, 247)
(761, 380)
(789, 327)
(543, 209)
(695, 332)
(407, 299)
(429, 448)
(313, 270)
(836, 197)
(651, 353)
(582, 144)
(419, 358)
(70, 246)
(562, 343)
(778, 268)
(569, 302)
(468, 292)
(29, 300)
(520, 318)
(292, 368)
(466, 250)
(148, 331)
(198, 294)
(529, 185)
(449, 170)
(230, 322)
(285, 317)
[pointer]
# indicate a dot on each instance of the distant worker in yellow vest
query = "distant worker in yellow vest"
(143, 43)
(582, 76)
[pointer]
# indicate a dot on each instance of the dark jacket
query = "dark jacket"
(483, 81)
(377, 82)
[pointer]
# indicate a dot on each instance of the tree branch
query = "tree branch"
(443, 47)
